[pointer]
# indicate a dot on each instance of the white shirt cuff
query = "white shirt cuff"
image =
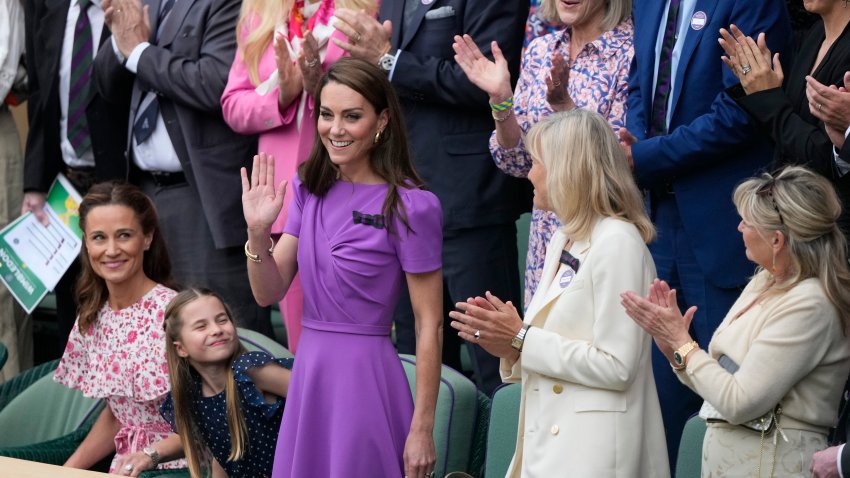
(133, 60)
(838, 459)
(390, 76)
(115, 50)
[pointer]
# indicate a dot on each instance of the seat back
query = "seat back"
(689, 460)
(43, 411)
(502, 432)
(455, 417)
(255, 341)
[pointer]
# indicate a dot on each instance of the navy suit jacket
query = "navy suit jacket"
(712, 145)
(448, 119)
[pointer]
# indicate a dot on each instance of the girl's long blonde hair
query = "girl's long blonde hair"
(180, 374)
(258, 20)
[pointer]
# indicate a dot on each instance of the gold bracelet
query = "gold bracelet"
(256, 257)
(500, 119)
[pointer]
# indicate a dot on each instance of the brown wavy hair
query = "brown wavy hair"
(180, 374)
(156, 265)
(390, 158)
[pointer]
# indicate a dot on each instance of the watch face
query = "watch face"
(678, 358)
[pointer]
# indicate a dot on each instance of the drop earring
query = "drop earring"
(377, 137)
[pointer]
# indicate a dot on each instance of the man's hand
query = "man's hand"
(129, 23)
(830, 104)
(825, 463)
(627, 139)
(368, 39)
(34, 203)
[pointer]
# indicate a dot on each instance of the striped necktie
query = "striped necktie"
(660, 100)
(146, 119)
(80, 90)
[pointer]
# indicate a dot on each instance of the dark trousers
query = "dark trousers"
(675, 263)
(474, 261)
(196, 261)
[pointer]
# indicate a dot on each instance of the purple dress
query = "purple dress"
(349, 406)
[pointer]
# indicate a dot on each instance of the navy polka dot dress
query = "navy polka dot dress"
(261, 418)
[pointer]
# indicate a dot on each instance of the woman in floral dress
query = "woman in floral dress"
(585, 65)
(116, 350)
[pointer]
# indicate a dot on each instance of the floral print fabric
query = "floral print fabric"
(598, 82)
(122, 360)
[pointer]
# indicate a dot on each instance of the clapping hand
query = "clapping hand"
(129, 23)
(488, 322)
(556, 85)
(659, 315)
(751, 61)
(491, 76)
(310, 64)
(289, 75)
(261, 201)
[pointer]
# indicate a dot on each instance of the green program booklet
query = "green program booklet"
(33, 257)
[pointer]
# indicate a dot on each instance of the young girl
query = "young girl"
(226, 403)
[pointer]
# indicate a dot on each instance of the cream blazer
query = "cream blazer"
(589, 406)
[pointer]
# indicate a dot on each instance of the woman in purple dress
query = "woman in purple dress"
(359, 224)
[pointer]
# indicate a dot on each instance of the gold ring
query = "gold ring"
(819, 106)
(358, 37)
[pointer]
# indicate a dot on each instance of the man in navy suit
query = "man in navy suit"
(690, 145)
(449, 125)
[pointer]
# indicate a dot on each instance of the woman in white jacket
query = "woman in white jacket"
(589, 406)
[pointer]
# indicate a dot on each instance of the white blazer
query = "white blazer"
(589, 406)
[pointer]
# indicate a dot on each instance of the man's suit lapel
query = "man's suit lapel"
(51, 32)
(173, 22)
(692, 39)
(547, 278)
(409, 32)
(153, 17)
(647, 31)
(394, 12)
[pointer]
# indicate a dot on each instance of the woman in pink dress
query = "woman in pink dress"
(116, 350)
(283, 48)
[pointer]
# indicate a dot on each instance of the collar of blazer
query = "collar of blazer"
(545, 293)
(172, 23)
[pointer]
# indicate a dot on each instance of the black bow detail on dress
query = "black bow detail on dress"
(570, 260)
(374, 220)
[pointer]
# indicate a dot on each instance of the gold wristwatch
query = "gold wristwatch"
(681, 354)
(519, 338)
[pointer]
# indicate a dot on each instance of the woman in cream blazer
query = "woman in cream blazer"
(589, 406)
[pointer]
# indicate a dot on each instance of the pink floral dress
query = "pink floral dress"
(122, 360)
(598, 82)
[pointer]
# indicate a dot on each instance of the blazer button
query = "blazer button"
(557, 388)
(555, 429)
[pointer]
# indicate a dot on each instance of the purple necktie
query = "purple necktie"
(79, 93)
(658, 124)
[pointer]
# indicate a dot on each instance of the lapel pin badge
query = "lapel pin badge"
(698, 20)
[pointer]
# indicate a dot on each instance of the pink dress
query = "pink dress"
(287, 135)
(122, 360)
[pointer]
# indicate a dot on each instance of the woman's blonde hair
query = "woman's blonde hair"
(180, 374)
(587, 173)
(259, 18)
(804, 206)
(616, 12)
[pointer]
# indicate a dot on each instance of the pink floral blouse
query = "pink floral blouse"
(122, 360)
(598, 82)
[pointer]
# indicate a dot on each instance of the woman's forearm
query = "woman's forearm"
(98, 444)
(269, 279)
